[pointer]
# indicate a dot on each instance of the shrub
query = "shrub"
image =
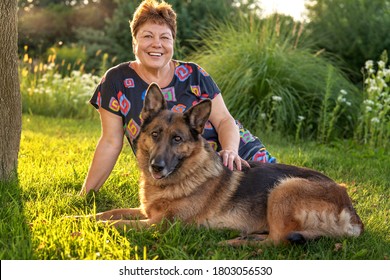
(355, 30)
(270, 79)
(47, 92)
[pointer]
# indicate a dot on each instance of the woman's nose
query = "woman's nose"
(156, 42)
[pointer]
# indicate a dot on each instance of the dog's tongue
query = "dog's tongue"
(156, 175)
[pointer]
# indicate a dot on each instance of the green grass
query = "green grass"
(54, 158)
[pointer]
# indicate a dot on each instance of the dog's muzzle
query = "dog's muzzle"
(158, 168)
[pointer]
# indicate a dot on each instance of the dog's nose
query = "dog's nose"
(157, 164)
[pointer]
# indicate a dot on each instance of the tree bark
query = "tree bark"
(10, 100)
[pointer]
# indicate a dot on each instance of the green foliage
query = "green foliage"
(56, 89)
(355, 30)
(374, 121)
(43, 24)
(117, 31)
(54, 158)
(42, 28)
(104, 26)
(46, 3)
(96, 43)
(270, 80)
(70, 54)
(193, 17)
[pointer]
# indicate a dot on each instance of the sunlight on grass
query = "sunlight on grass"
(55, 156)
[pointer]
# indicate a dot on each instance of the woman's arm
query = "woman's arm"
(106, 153)
(228, 134)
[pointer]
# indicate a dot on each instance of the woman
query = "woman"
(119, 96)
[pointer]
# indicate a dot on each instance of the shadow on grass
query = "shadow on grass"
(15, 238)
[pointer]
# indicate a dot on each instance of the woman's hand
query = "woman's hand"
(229, 158)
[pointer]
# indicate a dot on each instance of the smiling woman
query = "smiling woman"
(153, 49)
(120, 96)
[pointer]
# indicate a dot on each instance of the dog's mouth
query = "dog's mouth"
(159, 169)
(159, 174)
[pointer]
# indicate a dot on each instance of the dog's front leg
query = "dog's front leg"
(121, 214)
(123, 224)
(135, 224)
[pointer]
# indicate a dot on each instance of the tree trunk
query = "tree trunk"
(10, 100)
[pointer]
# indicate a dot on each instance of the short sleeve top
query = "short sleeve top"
(122, 92)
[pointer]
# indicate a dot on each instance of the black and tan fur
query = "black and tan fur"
(183, 178)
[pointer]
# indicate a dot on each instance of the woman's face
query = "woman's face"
(153, 45)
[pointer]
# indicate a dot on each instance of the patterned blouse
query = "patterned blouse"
(122, 93)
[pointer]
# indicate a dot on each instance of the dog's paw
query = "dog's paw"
(296, 238)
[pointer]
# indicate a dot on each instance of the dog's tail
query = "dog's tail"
(299, 209)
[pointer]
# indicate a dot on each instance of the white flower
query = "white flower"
(57, 76)
(372, 89)
(368, 108)
(348, 103)
(386, 72)
(381, 64)
(301, 118)
(277, 98)
(369, 64)
(76, 73)
(97, 254)
(368, 102)
(375, 120)
(263, 116)
(343, 92)
(370, 82)
(341, 99)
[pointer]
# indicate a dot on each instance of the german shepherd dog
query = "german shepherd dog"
(183, 178)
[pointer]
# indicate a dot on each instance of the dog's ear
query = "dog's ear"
(154, 102)
(198, 115)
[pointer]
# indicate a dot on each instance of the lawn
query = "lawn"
(54, 158)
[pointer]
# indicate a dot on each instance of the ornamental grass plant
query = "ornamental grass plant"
(271, 80)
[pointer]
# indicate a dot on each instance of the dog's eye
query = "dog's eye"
(177, 139)
(154, 134)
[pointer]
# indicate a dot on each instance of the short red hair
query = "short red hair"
(151, 10)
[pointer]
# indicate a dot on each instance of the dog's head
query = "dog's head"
(167, 139)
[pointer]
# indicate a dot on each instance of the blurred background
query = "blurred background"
(314, 69)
